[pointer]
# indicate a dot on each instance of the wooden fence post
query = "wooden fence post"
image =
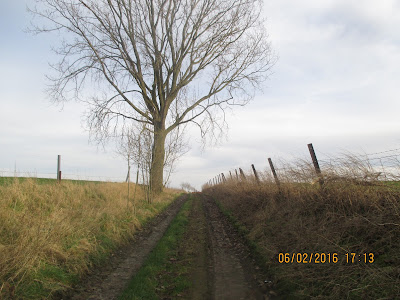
(242, 174)
(255, 173)
(230, 173)
(223, 177)
(58, 168)
(237, 176)
(273, 172)
(315, 162)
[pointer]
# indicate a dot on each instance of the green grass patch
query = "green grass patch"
(47, 281)
(160, 275)
(395, 184)
(11, 180)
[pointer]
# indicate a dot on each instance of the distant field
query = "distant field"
(10, 180)
(51, 234)
(393, 183)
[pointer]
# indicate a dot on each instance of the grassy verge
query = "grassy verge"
(341, 218)
(51, 234)
(161, 277)
(10, 180)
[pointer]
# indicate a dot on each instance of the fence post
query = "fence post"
(58, 168)
(237, 176)
(242, 174)
(255, 173)
(315, 162)
(230, 173)
(223, 177)
(273, 171)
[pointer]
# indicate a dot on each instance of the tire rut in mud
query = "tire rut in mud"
(218, 263)
(233, 273)
(108, 281)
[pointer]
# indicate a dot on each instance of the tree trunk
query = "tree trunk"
(157, 163)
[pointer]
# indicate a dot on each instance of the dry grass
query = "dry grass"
(353, 211)
(50, 234)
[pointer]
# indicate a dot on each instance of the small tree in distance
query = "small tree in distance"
(135, 145)
(188, 187)
(163, 63)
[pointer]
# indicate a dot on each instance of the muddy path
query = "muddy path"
(233, 273)
(108, 281)
(218, 262)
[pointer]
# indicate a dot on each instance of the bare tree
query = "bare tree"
(135, 145)
(188, 187)
(163, 63)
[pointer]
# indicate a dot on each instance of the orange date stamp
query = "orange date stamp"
(325, 258)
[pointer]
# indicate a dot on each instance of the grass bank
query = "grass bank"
(162, 275)
(10, 180)
(301, 219)
(51, 234)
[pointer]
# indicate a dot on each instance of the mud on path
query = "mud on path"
(219, 265)
(232, 273)
(108, 281)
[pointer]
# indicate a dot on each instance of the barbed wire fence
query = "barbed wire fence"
(376, 166)
(58, 174)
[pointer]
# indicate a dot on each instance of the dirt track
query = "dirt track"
(220, 265)
(108, 281)
(234, 274)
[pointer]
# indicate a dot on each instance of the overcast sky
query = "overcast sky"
(335, 84)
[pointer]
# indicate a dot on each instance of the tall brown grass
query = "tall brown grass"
(355, 211)
(51, 234)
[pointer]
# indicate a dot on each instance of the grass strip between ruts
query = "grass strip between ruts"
(159, 274)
